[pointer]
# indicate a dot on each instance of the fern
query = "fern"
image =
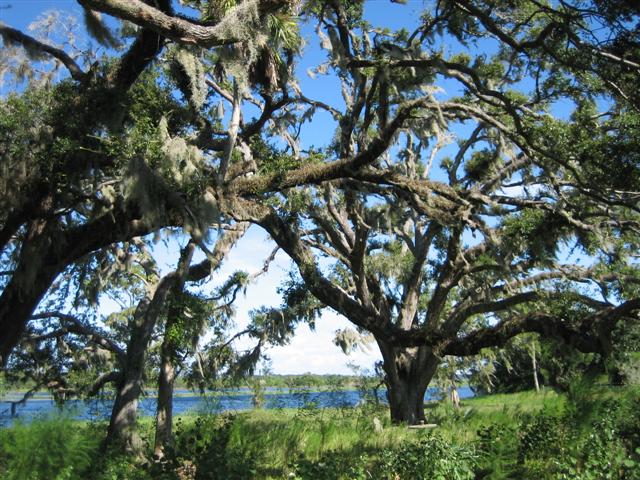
(51, 448)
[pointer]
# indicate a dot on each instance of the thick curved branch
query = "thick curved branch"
(143, 50)
(175, 28)
(590, 335)
(318, 173)
(214, 259)
(460, 315)
(493, 27)
(109, 377)
(289, 240)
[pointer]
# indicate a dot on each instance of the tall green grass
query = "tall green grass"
(51, 448)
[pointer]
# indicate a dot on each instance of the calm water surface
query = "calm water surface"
(186, 401)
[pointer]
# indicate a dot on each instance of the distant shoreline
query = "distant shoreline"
(43, 395)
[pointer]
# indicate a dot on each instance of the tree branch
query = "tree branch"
(78, 327)
(11, 35)
(224, 244)
(234, 124)
(345, 167)
(102, 380)
(177, 29)
(590, 335)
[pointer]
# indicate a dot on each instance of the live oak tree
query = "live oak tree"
(71, 355)
(117, 173)
(112, 153)
(163, 298)
(440, 254)
(112, 174)
(189, 316)
(424, 294)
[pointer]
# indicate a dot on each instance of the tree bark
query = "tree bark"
(123, 416)
(534, 365)
(166, 378)
(46, 254)
(408, 373)
(122, 425)
(32, 278)
(14, 306)
(49, 248)
(164, 411)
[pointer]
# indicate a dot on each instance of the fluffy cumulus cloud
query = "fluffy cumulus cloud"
(309, 351)
(315, 352)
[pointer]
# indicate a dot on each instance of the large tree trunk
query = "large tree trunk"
(45, 253)
(54, 250)
(33, 276)
(408, 373)
(164, 412)
(17, 304)
(122, 424)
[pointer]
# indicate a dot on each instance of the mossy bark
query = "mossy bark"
(122, 431)
(166, 378)
(408, 372)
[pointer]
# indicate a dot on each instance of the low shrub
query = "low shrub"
(582, 438)
(52, 448)
(332, 465)
(497, 449)
(430, 458)
(200, 452)
(560, 447)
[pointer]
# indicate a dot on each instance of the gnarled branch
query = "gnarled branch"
(11, 35)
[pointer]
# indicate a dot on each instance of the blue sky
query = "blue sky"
(308, 351)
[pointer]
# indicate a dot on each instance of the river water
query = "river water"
(186, 401)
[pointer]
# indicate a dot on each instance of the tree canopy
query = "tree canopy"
(482, 180)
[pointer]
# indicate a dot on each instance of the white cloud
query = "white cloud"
(315, 352)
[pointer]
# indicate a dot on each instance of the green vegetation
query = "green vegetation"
(52, 448)
(467, 199)
(588, 433)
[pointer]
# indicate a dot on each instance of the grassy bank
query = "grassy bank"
(590, 433)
